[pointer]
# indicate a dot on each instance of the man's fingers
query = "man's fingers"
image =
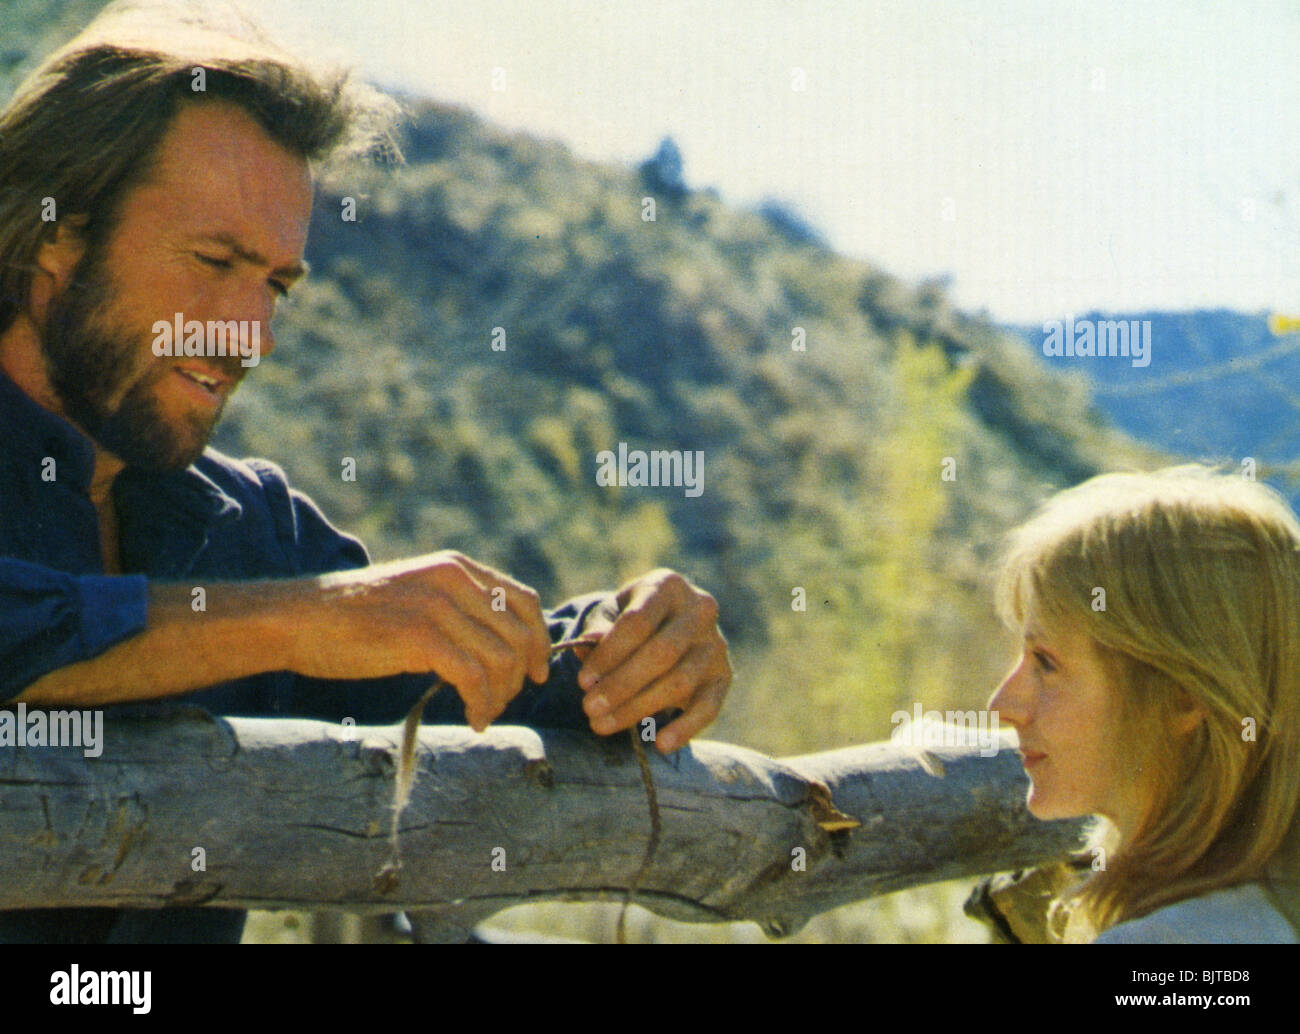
(497, 672)
(632, 629)
(701, 713)
(507, 596)
(674, 686)
(658, 659)
(663, 650)
(459, 667)
(510, 609)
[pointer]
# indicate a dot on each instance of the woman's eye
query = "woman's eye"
(1044, 662)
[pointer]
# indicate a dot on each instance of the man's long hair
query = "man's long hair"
(83, 127)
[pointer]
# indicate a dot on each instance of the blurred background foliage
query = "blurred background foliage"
(823, 468)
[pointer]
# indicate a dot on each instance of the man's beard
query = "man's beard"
(90, 356)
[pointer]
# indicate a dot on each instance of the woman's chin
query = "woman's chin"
(1041, 806)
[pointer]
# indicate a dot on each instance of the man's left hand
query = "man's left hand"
(660, 649)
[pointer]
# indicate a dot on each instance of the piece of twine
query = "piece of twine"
(388, 878)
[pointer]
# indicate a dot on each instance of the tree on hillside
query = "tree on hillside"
(661, 173)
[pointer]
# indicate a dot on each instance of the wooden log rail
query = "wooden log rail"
(182, 808)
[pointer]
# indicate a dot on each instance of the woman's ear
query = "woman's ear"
(1187, 714)
(56, 258)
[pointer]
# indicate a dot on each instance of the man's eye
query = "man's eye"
(210, 260)
(279, 288)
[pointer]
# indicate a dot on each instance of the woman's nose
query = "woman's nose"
(1009, 700)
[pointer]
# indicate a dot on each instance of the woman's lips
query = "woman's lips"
(1030, 758)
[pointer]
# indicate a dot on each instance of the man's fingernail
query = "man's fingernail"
(586, 678)
(604, 725)
(667, 743)
(597, 705)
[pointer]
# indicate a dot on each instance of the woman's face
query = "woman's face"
(1061, 701)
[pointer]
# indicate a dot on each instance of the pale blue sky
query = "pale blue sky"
(1093, 154)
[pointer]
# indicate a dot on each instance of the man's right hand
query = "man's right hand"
(474, 626)
(442, 613)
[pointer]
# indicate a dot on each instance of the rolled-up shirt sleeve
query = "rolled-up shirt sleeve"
(50, 619)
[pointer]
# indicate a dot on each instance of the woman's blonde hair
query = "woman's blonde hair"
(1188, 583)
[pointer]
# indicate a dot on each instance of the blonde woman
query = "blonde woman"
(1159, 689)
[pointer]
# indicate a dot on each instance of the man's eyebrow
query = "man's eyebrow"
(293, 271)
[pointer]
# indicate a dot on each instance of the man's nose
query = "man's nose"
(255, 305)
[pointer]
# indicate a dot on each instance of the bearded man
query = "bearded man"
(169, 199)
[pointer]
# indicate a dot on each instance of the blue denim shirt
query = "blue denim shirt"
(219, 520)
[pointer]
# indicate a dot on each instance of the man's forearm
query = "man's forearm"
(441, 613)
(246, 628)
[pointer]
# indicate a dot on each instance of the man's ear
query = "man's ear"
(56, 258)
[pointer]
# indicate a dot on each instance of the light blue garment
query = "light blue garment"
(1237, 915)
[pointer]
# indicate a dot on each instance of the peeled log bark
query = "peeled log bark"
(295, 814)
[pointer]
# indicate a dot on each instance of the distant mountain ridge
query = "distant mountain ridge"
(1219, 387)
